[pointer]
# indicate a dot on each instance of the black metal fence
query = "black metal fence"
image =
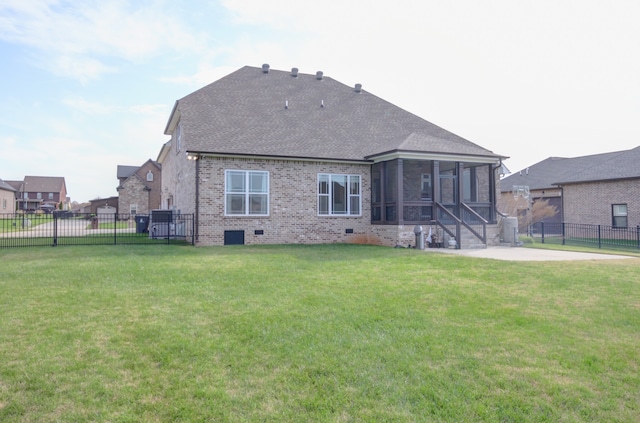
(66, 228)
(598, 236)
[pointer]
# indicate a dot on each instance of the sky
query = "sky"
(89, 85)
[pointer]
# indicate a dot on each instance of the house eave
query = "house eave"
(450, 157)
(275, 157)
(592, 181)
(174, 117)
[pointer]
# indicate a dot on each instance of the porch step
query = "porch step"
(470, 241)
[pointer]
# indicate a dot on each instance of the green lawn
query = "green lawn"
(331, 333)
(21, 223)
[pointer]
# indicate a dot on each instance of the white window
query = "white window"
(50, 196)
(619, 214)
(39, 196)
(339, 195)
(4, 203)
(133, 209)
(149, 176)
(246, 193)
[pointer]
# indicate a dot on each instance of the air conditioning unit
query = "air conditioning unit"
(160, 223)
(166, 224)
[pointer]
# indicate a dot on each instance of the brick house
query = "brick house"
(44, 193)
(102, 206)
(139, 188)
(264, 156)
(600, 189)
(7, 198)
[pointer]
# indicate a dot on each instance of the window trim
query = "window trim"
(247, 192)
(615, 215)
(330, 196)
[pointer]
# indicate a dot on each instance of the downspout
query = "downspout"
(197, 208)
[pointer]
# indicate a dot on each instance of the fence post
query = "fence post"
(55, 230)
(542, 231)
(115, 229)
(638, 235)
(599, 237)
(563, 234)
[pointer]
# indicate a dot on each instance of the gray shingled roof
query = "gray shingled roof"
(44, 183)
(557, 170)
(244, 113)
(623, 165)
(5, 186)
(124, 171)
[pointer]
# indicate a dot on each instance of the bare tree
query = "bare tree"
(526, 212)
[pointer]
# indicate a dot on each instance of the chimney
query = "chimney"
(294, 72)
(265, 68)
(358, 88)
(319, 75)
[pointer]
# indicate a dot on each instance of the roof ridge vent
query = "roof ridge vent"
(294, 72)
(319, 75)
(358, 88)
(265, 68)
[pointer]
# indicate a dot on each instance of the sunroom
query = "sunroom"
(455, 198)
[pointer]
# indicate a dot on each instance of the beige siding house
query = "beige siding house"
(264, 156)
(7, 198)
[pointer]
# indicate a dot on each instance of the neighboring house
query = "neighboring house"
(264, 156)
(102, 206)
(7, 198)
(139, 188)
(600, 189)
(44, 193)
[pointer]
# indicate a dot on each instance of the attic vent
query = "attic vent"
(358, 88)
(319, 75)
(265, 68)
(294, 71)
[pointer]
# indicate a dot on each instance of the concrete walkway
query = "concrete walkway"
(528, 254)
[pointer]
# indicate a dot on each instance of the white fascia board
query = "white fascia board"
(173, 120)
(436, 156)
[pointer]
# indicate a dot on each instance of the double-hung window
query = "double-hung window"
(619, 215)
(246, 193)
(339, 195)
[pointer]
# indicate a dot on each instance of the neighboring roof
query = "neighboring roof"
(44, 184)
(555, 171)
(623, 165)
(276, 114)
(6, 187)
(14, 184)
(126, 171)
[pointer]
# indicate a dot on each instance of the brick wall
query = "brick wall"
(293, 215)
(133, 192)
(590, 203)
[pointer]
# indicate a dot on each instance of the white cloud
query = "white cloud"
(76, 39)
(88, 107)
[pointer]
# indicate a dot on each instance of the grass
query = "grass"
(581, 247)
(22, 223)
(314, 333)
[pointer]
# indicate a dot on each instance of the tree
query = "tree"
(527, 213)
